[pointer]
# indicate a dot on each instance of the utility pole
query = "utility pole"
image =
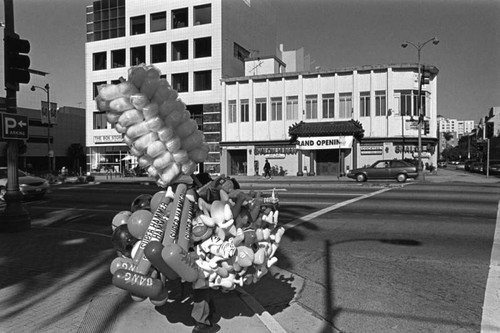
(15, 217)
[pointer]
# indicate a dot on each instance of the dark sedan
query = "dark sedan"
(385, 169)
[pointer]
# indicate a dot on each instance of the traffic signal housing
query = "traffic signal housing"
(427, 127)
(489, 130)
(425, 75)
(17, 62)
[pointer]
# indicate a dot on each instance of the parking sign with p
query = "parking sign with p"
(14, 126)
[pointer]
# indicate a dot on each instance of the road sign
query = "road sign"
(14, 126)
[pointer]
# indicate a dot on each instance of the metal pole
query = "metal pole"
(15, 217)
(47, 88)
(420, 120)
(403, 135)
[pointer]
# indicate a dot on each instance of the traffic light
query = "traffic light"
(489, 130)
(426, 127)
(425, 76)
(17, 61)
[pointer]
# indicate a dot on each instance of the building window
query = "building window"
(180, 50)
(240, 52)
(244, 111)
(380, 103)
(405, 101)
(364, 104)
(118, 58)
(179, 18)
(180, 82)
(345, 105)
(311, 106)
(232, 111)
(158, 21)
(137, 55)
(202, 80)
(203, 47)
(276, 108)
(99, 61)
(260, 109)
(158, 53)
(292, 108)
(100, 121)
(328, 105)
(137, 25)
(202, 14)
(95, 87)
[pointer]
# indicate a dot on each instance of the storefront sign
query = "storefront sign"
(324, 142)
(100, 139)
(372, 149)
(276, 150)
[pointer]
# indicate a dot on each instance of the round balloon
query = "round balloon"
(120, 218)
(155, 200)
(122, 240)
(141, 202)
(138, 222)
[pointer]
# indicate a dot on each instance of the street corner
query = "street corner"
(276, 290)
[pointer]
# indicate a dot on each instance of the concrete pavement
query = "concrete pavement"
(56, 280)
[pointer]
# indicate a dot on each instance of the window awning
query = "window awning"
(331, 128)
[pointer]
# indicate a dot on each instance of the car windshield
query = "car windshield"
(380, 165)
(3, 173)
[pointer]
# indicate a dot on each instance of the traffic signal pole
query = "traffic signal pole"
(15, 217)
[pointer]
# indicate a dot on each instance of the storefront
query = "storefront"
(328, 146)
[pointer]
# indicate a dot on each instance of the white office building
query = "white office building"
(194, 43)
(327, 121)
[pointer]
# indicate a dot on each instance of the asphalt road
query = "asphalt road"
(407, 259)
(377, 257)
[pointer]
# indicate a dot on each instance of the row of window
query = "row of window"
(202, 48)
(179, 19)
(406, 101)
(104, 22)
(202, 81)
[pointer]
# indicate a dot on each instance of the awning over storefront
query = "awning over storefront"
(332, 128)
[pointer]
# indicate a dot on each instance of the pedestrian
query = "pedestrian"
(267, 170)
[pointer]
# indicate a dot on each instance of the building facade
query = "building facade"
(193, 43)
(67, 128)
(309, 122)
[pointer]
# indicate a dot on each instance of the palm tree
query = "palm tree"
(76, 154)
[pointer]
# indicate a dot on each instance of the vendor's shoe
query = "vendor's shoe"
(204, 328)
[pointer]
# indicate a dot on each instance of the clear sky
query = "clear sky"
(336, 33)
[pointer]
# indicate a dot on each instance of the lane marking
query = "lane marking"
(338, 205)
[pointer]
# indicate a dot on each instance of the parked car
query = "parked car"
(467, 165)
(476, 167)
(460, 166)
(442, 164)
(494, 168)
(30, 186)
(385, 169)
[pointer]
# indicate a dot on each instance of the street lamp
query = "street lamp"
(47, 91)
(419, 46)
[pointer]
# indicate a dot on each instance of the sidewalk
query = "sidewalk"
(442, 175)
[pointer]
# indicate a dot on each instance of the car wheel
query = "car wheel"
(401, 178)
(360, 177)
(2, 192)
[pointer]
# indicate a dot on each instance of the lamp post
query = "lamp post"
(419, 46)
(47, 91)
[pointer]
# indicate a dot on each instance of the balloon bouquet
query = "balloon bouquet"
(212, 235)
